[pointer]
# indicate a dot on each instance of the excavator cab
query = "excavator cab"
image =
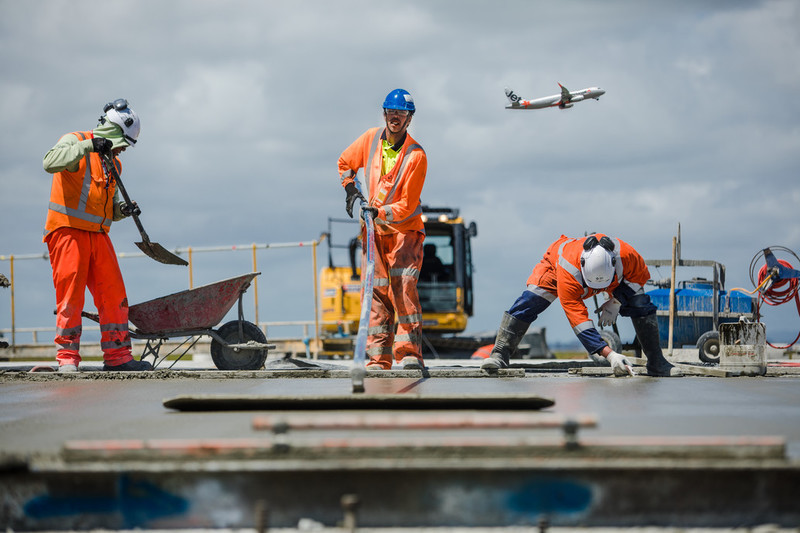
(445, 281)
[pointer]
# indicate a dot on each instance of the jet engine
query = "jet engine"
(565, 106)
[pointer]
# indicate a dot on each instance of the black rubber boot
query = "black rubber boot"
(509, 334)
(646, 328)
(132, 365)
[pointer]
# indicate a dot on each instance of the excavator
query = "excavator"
(445, 285)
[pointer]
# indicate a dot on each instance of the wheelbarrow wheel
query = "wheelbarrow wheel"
(226, 358)
(612, 339)
(708, 346)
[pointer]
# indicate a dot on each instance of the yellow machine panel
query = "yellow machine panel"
(341, 300)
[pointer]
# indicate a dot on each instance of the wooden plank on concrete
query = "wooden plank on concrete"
(243, 402)
(428, 420)
(688, 370)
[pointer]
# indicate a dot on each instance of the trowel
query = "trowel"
(150, 249)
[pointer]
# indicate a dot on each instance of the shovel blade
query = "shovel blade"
(160, 254)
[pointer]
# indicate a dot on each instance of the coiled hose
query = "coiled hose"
(772, 291)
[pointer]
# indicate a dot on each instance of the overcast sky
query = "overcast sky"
(246, 106)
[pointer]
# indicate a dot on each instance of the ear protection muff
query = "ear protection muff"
(604, 242)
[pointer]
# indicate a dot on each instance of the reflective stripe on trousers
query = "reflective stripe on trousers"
(80, 260)
(398, 260)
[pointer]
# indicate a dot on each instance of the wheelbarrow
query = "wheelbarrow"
(193, 313)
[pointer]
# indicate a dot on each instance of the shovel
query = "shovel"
(150, 249)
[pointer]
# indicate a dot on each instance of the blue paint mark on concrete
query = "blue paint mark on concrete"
(138, 502)
(46, 506)
(550, 496)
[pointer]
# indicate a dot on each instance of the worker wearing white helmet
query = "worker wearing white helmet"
(573, 270)
(83, 203)
(117, 113)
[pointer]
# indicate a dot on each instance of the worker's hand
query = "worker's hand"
(609, 311)
(619, 364)
(102, 145)
(352, 196)
(129, 209)
(373, 211)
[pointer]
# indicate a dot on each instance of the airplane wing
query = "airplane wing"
(565, 95)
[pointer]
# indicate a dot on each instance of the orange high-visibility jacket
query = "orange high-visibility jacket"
(564, 258)
(83, 199)
(397, 194)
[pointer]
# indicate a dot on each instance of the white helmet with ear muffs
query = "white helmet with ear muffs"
(598, 263)
(118, 112)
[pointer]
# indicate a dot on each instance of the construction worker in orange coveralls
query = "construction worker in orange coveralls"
(394, 166)
(573, 270)
(83, 203)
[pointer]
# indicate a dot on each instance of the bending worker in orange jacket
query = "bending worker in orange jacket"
(572, 270)
(83, 203)
(394, 166)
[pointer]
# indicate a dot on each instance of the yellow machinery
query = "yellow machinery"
(445, 282)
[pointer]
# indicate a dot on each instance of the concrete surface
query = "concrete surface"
(63, 439)
(40, 415)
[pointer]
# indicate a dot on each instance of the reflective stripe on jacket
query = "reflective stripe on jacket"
(395, 194)
(82, 199)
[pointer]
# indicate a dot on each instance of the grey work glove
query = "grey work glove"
(102, 145)
(619, 364)
(129, 209)
(352, 196)
(609, 311)
(373, 211)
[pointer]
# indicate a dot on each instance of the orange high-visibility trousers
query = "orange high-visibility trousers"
(398, 259)
(83, 259)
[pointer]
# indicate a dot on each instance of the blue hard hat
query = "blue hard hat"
(399, 99)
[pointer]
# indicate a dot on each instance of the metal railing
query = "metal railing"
(190, 252)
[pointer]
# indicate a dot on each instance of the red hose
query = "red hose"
(779, 293)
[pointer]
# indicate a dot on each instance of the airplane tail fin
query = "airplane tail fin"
(512, 97)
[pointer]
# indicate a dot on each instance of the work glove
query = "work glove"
(373, 211)
(129, 209)
(609, 311)
(619, 364)
(352, 196)
(102, 145)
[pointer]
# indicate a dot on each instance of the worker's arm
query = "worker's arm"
(354, 157)
(66, 154)
(570, 294)
(578, 315)
(120, 210)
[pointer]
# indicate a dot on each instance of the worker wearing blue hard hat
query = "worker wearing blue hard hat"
(399, 99)
(395, 166)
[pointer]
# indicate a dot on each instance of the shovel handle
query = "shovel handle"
(113, 169)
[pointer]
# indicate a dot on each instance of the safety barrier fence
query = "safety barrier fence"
(190, 253)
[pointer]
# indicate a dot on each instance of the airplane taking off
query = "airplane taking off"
(564, 100)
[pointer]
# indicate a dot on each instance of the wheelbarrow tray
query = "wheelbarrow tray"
(200, 308)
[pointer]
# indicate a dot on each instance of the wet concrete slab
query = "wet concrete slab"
(719, 451)
(40, 415)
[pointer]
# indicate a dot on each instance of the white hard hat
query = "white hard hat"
(597, 267)
(118, 112)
